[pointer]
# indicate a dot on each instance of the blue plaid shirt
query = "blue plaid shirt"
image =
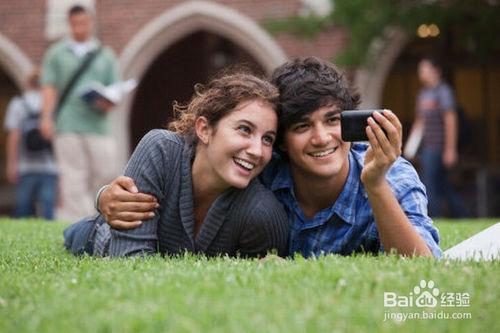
(348, 225)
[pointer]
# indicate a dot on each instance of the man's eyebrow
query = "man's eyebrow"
(332, 113)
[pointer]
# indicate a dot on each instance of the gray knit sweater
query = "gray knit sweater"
(247, 222)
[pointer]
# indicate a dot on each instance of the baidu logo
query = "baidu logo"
(430, 301)
(426, 294)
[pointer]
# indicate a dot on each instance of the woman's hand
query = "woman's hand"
(123, 206)
(384, 148)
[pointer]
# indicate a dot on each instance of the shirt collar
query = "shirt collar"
(345, 206)
(283, 178)
(76, 47)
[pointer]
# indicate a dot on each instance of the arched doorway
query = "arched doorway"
(152, 42)
(14, 67)
(476, 83)
(8, 89)
(172, 75)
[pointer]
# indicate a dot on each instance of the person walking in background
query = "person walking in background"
(32, 169)
(84, 147)
(437, 120)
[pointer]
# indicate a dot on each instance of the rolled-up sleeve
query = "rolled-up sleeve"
(414, 205)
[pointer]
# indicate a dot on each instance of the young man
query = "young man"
(84, 147)
(437, 117)
(340, 197)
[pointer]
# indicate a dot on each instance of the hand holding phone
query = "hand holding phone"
(353, 124)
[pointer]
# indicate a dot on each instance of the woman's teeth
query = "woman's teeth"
(244, 164)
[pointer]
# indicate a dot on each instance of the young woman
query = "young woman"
(203, 174)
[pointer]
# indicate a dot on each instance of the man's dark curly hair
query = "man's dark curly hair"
(306, 84)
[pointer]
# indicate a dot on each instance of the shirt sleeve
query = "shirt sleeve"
(149, 166)
(446, 98)
(412, 198)
(49, 68)
(14, 114)
(112, 74)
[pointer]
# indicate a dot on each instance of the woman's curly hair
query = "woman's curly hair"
(220, 97)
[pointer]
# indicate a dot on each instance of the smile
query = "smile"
(244, 164)
(322, 153)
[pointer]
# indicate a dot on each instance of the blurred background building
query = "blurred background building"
(169, 45)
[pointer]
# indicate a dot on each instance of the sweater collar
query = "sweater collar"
(217, 213)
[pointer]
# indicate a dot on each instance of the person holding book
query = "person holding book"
(84, 147)
(340, 197)
(203, 172)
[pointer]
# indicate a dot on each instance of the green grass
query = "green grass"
(44, 289)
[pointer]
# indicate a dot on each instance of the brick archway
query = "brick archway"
(370, 79)
(177, 23)
(14, 61)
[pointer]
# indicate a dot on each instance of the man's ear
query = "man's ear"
(202, 129)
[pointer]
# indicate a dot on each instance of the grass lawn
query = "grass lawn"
(44, 289)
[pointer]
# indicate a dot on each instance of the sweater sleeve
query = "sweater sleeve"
(266, 228)
(151, 166)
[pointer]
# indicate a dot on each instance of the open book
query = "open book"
(482, 246)
(113, 93)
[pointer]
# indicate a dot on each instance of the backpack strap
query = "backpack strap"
(76, 75)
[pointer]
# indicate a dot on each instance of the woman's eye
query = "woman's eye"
(245, 129)
(268, 140)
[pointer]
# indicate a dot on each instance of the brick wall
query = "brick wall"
(23, 22)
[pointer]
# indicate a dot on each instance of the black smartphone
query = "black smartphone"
(353, 124)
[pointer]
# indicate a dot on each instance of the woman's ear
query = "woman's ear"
(202, 129)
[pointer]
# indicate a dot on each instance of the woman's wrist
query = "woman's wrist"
(98, 196)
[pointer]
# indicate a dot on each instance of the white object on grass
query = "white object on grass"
(482, 246)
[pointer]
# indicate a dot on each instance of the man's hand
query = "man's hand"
(450, 158)
(103, 104)
(384, 149)
(123, 206)
(12, 173)
(47, 128)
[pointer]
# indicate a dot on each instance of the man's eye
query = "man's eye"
(334, 120)
(244, 129)
(301, 127)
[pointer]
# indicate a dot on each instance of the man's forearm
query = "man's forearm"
(12, 147)
(395, 230)
(49, 94)
(450, 130)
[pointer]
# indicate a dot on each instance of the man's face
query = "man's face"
(315, 147)
(81, 26)
(427, 73)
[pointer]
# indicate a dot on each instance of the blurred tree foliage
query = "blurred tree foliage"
(474, 24)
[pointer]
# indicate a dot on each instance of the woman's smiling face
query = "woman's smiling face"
(241, 143)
